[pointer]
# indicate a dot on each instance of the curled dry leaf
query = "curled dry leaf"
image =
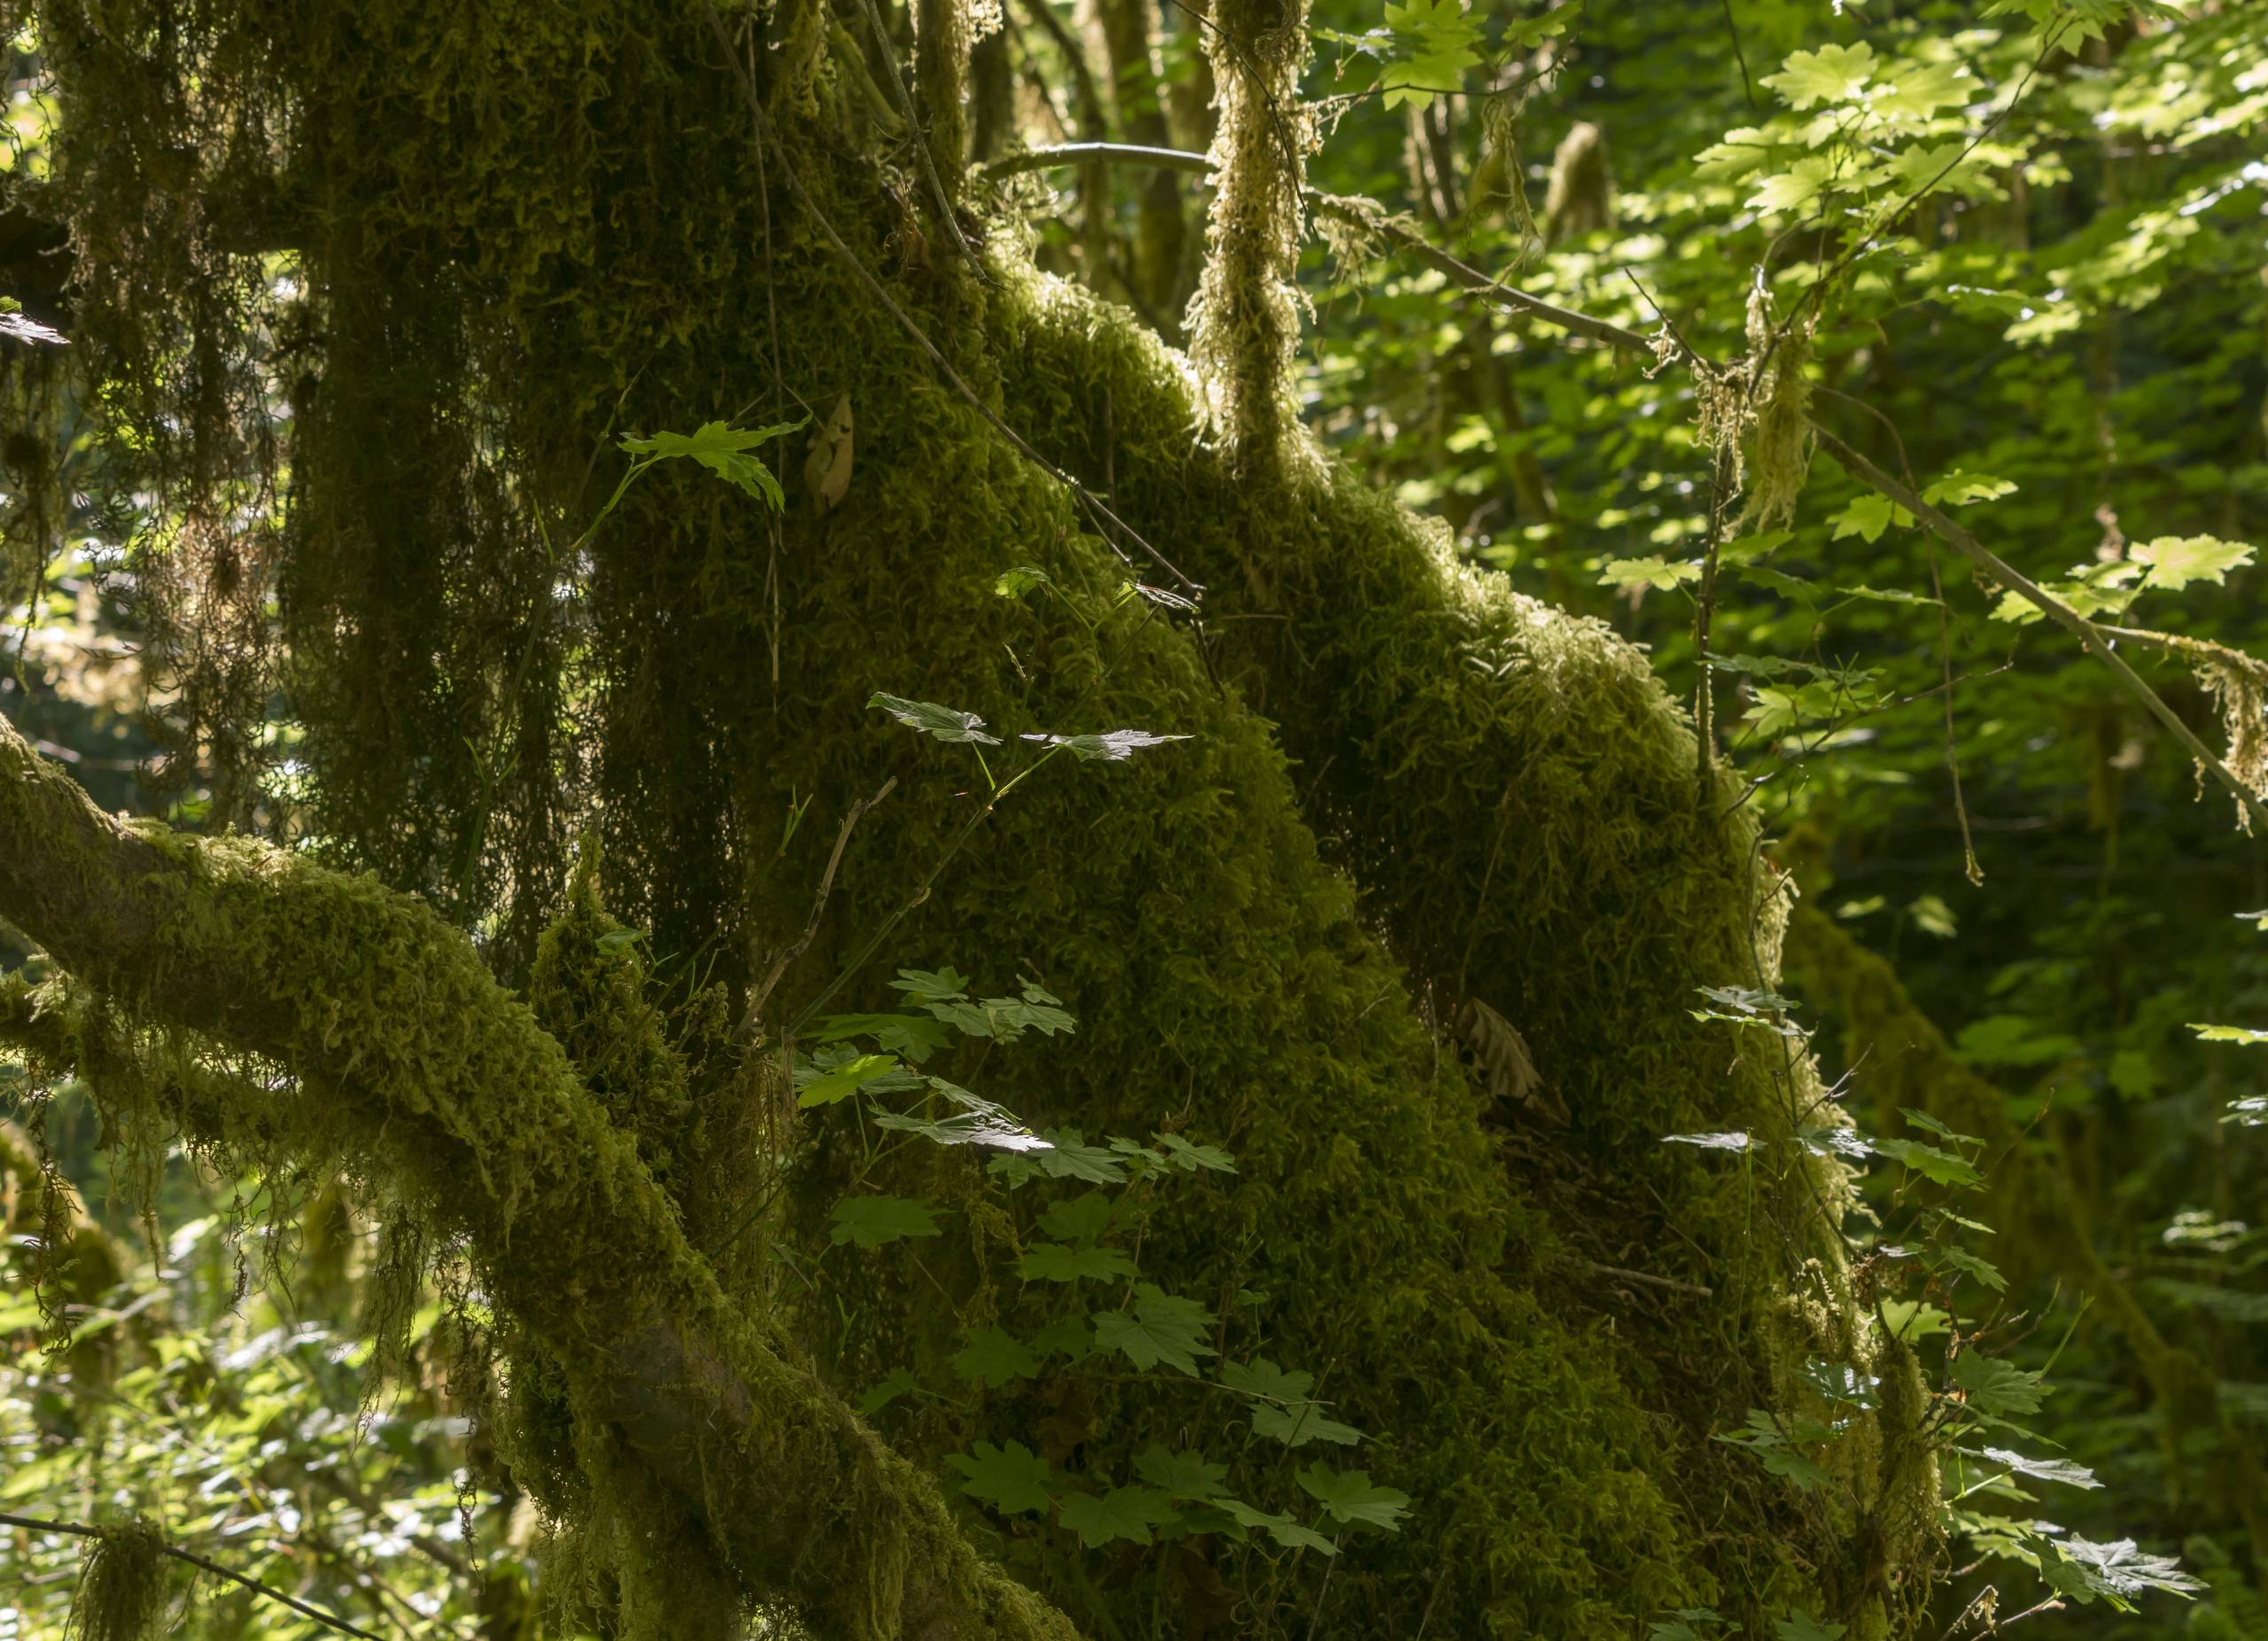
(1504, 1060)
(827, 469)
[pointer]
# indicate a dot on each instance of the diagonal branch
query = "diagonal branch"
(411, 1060)
(1366, 215)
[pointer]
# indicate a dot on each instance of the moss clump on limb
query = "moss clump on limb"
(524, 220)
(412, 1061)
(121, 1592)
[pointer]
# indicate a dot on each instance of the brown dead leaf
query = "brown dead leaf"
(1506, 1066)
(826, 469)
(1206, 1598)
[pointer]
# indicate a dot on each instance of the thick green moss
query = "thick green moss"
(519, 224)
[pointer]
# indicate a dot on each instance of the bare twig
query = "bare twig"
(1670, 1283)
(945, 201)
(79, 1529)
(818, 905)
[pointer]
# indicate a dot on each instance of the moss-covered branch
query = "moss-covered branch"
(413, 1063)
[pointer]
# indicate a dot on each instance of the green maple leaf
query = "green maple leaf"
(1082, 1219)
(940, 722)
(1655, 572)
(1300, 1423)
(1285, 1531)
(1348, 1498)
(1804, 1626)
(841, 1082)
(1833, 74)
(1939, 1166)
(1158, 1328)
(871, 1221)
(1959, 488)
(1919, 90)
(993, 1356)
(2060, 1470)
(1124, 1512)
(2176, 561)
(1013, 1479)
(1869, 516)
(1796, 187)
(1191, 1156)
(1180, 1475)
(1995, 1388)
(1263, 1378)
(723, 450)
(1055, 1261)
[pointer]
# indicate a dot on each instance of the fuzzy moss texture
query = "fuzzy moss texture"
(515, 226)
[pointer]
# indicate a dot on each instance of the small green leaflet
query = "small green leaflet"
(871, 1221)
(1779, 1450)
(1191, 1156)
(1983, 1270)
(1838, 1382)
(1731, 1139)
(1869, 516)
(1709, 1620)
(913, 1036)
(1833, 74)
(1439, 43)
(932, 985)
(1113, 746)
(1013, 1479)
(940, 722)
(724, 451)
(1124, 1512)
(1158, 1329)
(2251, 1111)
(2229, 1033)
(1830, 1140)
(1053, 1262)
(2115, 1571)
(1016, 582)
(1180, 1475)
(1349, 1498)
(1655, 572)
(2176, 561)
(1281, 1529)
(1920, 89)
(1923, 1120)
(1939, 1167)
(1960, 487)
(1798, 186)
(1082, 1219)
(1910, 1319)
(1804, 1626)
(1995, 1388)
(896, 1383)
(994, 1357)
(1285, 1413)
(1068, 1336)
(1071, 1158)
(1534, 30)
(828, 1085)
(2042, 1469)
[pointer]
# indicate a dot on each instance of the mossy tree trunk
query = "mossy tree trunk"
(517, 228)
